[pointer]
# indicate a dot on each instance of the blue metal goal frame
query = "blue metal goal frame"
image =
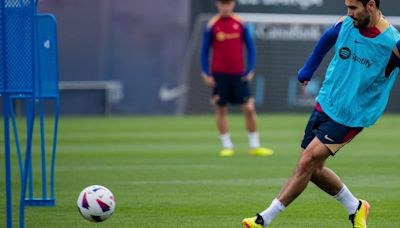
(29, 74)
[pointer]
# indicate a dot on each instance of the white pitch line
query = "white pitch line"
(235, 182)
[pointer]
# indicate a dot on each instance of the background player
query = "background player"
(226, 34)
(353, 96)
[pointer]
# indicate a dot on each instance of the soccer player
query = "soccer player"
(354, 95)
(227, 35)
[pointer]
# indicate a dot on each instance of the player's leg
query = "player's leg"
(250, 115)
(329, 136)
(222, 125)
(335, 136)
(324, 178)
(314, 151)
(242, 95)
(220, 99)
(313, 157)
(329, 182)
(221, 119)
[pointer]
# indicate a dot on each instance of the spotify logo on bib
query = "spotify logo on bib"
(345, 53)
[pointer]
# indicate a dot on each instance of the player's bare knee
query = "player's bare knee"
(308, 163)
(249, 108)
(304, 167)
(220, 111)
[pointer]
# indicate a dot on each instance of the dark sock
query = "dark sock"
(260, 220)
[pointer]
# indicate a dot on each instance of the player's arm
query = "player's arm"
(251, 53)
(205, 53)
(327, 41)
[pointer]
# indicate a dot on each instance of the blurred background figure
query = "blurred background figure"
(227, 36)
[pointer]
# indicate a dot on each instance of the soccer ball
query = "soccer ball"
(96, 203)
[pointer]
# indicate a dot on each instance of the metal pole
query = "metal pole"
(16, 136)
(29, 107)
(31, 117)
(6, 100)
(28, 162)
(43, 150)
(6, 109)
(53, 156)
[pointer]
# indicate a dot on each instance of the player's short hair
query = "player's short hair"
(365, 2)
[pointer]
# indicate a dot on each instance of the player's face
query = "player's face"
(225, 9)
(359, 13)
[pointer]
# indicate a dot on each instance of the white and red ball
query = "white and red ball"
(96, 203)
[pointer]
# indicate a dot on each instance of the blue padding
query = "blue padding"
(46, 82)
(17, 46)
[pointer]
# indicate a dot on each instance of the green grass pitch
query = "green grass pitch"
(165, 172)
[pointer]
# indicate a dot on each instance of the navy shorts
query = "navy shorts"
(334, 135)
(231, 89)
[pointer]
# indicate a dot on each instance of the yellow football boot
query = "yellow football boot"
(253, 222)
(359, 219)
(261, 151)
(226, 153)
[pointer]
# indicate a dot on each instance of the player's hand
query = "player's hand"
(304, 76)
(209, 81)
(248, 77)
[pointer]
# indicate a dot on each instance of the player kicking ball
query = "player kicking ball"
(353, 96)
(226, 35)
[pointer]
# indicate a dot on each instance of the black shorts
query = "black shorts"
(334, 135)
(231, 89)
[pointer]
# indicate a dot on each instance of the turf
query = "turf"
(165, 172)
